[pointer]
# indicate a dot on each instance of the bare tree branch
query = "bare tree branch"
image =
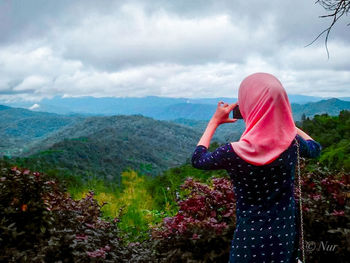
(337, 8)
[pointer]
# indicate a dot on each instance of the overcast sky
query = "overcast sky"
(172, 48)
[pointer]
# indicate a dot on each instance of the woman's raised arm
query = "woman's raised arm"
(220, 116)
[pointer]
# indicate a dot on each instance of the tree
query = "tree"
(337, 9)
(303, 117)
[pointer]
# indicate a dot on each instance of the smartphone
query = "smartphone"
(236, 113)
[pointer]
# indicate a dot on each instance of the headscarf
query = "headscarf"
(270, 128)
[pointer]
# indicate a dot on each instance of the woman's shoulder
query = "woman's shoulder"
(230, 146)
(308, 147)
(276, 161)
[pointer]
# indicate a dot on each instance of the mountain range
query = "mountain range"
(155, 107)
(107, 145)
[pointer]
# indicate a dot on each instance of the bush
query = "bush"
(203, 227)
(326, 212)
(24, 217)
(42, 223)
(201, 231)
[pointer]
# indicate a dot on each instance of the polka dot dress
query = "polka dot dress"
(267, 228)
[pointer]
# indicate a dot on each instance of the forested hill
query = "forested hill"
(331, 107)
(106, 146)
(20, 126)
(333, 133)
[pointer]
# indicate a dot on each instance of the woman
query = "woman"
(261, 165)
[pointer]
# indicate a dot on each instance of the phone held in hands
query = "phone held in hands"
(236, 113)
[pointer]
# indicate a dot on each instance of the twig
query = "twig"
(340, 7)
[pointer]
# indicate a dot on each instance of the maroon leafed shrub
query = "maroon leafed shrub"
(204, 225)
(326, 211)
(202, 229)
(39, 222)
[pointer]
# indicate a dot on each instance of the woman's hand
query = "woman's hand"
(220, 116)
(222, 113)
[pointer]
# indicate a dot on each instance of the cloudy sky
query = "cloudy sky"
(167, 48)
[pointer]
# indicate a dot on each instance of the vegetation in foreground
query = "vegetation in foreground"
(183, 215)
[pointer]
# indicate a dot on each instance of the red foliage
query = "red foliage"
(204, 210)
(332, 187)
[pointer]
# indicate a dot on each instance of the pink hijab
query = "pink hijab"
(267, 113)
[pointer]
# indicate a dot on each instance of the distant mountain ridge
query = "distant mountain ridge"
(331, 107)
(20, 128)
(3, 107)
(107, 145)
(151, 106)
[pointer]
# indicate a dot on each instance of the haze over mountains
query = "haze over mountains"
(167, 108)
(106, 145)
(151, 106)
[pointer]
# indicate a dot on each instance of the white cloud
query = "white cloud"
(32, 82)
(130, 37)
(168, 49)
(315, 57)
(34, 106)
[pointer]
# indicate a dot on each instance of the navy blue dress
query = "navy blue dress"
(267, 227)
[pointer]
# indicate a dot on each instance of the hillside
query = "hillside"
(331, 107)
(23, 129)
(106, 146)
(19, 127)
(224, 133)
(333, 133)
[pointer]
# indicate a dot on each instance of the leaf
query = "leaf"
(11, 225)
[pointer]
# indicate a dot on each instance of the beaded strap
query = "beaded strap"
(300, 205)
